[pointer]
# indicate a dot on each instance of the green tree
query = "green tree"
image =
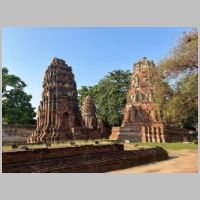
(109, 96)
(16, 105)
(180, 70)
(10, 80)
(162, 90)
(182, 109)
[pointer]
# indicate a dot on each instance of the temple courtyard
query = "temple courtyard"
(69, 138)
(183, 159)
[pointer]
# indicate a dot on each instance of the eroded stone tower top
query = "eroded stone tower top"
(89, 113)
(143, 64)
(140, 105)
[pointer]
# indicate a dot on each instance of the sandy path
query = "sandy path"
(182, 161)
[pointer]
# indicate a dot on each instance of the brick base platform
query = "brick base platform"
(84, 159)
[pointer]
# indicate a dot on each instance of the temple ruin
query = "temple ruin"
(89, 113)
(58, 115)
(143, 119)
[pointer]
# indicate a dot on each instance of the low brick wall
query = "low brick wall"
(21, 156)
(85, 159)
(173, 134)
(16, 134)
(83, 133)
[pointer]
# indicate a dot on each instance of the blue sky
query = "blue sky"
(92, 52)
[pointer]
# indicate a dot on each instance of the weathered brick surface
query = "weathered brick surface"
(58, 113)
(143, 117)
(22, 156)
(94, 159)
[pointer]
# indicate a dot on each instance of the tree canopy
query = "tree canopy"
(11, 80)
(183, 57)
(17, 108)
(182, 109)
(179, 70)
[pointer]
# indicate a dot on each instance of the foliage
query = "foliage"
(182, 109)
(162, 90)
(16, 105)
(11, 80)
(176, 82)
(110, 96)
(183, 57)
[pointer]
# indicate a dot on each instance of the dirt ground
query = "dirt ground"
(181, 161)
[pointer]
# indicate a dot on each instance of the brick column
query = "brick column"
(143, 134)
(157, 135)
(148, 134)
(162, 135)
(153, 134)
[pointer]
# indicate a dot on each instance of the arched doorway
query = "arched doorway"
(65, 120)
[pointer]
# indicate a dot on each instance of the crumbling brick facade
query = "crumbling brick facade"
(143, 119)
(58, 115)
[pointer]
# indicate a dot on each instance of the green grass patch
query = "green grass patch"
(169, 146)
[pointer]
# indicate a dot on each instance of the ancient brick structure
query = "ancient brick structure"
(58, 115)
(58, 111)
(143, 119)
(80, 159)
(89, 113)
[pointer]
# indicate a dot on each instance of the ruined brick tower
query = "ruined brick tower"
(140, 108)
(58, 111)
(140, 105)
(143, 119)
(89, 113)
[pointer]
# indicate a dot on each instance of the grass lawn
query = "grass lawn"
(129, 146)
(168, 146)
